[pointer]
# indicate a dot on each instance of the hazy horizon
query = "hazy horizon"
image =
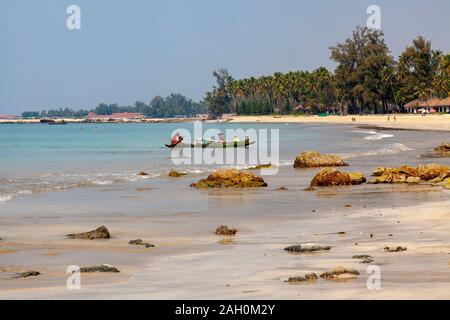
(133, 51)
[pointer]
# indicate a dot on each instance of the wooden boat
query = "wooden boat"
(214, 144)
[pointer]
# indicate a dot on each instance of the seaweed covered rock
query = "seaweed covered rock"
(307, 248)
(432, 173)
(443, 149)
(230, 178)
(340, 273)
(27, 274)
(313, 159)
(176, 174)
(332, 177)
(261, 166)
(226, 231)
(104, 268)
(99, 233)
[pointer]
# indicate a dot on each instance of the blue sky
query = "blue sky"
(134, 50)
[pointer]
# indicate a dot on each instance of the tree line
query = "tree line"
(367, 79)
(159, 107)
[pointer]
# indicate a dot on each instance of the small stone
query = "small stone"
(395, 249)
(282, 189)
(27, 274)
(307, 247)
(226, 231)
(143, 174)
(137, 242)
(338, 272)
(348, 206)
(311, 276)
(104, 268)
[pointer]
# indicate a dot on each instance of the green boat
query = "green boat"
(214, 144)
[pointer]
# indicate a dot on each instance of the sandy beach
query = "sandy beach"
(402, 121)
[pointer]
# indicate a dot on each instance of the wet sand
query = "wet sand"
(193, 263)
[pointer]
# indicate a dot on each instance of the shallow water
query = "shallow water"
(41, 158)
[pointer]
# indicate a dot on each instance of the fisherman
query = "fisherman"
(176, 139)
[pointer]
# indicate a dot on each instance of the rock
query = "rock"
(106, 268)
(364, 257)
(307, 277)
(357, 177)
(312, 159)
(307, 247)
(395, 249)
(348, 206)
(432, 173)
(310, 189)
(338, 272)
(311, 277)
(446, 183)
(176, 174)
(443, 149)
(100, 233)
(282, 189)
(261, 166)
(27, 274)
(332, 177)
(226, 231)
(140, 242)
(143, 173)
(230, 178)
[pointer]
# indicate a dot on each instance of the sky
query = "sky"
(133, 50)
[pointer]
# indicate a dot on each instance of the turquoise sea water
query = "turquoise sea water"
(37, 158)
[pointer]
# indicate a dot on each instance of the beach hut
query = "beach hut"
(430, 105)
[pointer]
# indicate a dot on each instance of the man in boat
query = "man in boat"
(176, 139)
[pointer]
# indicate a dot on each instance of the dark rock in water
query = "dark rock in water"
(143, 173)
(230, 178)
(140, 242)
(339, 273)
(100, 233)
(307, 247)
(261, 166)
(443, 149)
(332, 177)
(106, 268)
(312, 159)
(226, 231)
(310, 189)
(176, 174)
(395, 249)
(27, 274)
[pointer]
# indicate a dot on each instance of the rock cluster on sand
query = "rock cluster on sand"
(230, 178)
(106, 268)
(312, 159)
(443, 149)
(27, 274)
(176, 174)
(307, 277)
(431, 173)
(226, 231)
(332, 177)
(307, 247)
(99, 233)
(364, 258)
(395, 249)
(339, 273)
(140, 242)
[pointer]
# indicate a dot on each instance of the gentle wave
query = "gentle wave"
(374, 135)
(389, 149)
